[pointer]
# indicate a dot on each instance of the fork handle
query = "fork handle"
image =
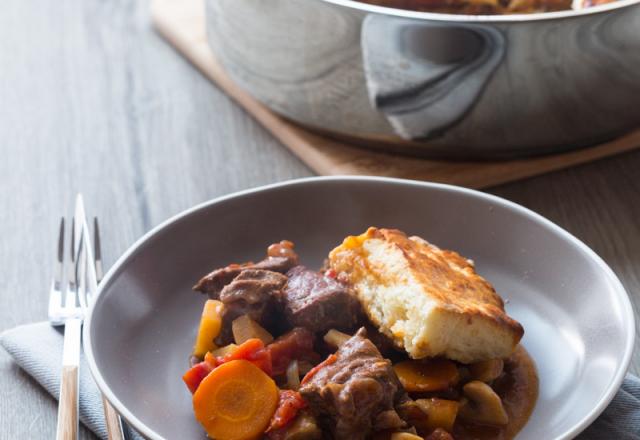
(68, 405)
(68, 402)
(114, 425)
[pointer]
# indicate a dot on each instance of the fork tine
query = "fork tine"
(79, 220)
(81, 273)
(57, 276)
(70, 297)
(72, 252)
(97, 254)
(55, 296)
(94, 272)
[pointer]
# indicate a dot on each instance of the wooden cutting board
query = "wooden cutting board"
(182, 23)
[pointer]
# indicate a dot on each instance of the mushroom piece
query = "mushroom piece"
(304, 427)
(486, 371)
(483, 405)
(405, 436)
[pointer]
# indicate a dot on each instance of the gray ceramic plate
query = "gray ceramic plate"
(578, 320)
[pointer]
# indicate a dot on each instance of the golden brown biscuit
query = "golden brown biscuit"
(429, 301)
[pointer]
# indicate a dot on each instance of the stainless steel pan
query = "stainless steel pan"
(458, 86)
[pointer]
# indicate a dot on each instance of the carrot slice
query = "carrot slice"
(235, 401)
(428, 375)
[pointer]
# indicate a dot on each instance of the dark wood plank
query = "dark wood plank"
(92, 100)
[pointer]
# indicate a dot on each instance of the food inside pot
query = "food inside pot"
(395, 339)
(481, 7)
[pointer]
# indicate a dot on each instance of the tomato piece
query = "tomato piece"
(289, 403)
(252, 350)
(296, 344)
(262, 359)
(330, 273)
(196, 374)
(243, 350)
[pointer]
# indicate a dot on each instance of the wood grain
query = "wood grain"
(114, 428)
(93, 100)
(183, 24)
(68, 404)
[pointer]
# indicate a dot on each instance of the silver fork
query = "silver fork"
(83, 277)
(69, 313)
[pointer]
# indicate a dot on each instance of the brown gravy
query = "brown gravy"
(518, 389)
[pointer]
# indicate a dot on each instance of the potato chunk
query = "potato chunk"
(245, 328)
(440, 413)
(210, 325)
(336, 338)
(223, 351)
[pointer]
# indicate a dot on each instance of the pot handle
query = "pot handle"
(425, 76)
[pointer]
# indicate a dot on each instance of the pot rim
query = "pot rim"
(467, 18)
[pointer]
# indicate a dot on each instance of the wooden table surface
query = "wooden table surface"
(92, 100)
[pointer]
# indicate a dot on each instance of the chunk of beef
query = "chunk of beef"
(384, 344)
(318, 302)
(296, 344)
(253, 286)
(253, 292)
(356, 394)
(215, 281)
(275, 264)
(280, 258)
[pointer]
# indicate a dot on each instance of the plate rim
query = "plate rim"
(620, 290)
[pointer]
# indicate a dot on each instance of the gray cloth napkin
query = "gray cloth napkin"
(37, 348)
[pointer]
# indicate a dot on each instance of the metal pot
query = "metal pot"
(457, 86)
